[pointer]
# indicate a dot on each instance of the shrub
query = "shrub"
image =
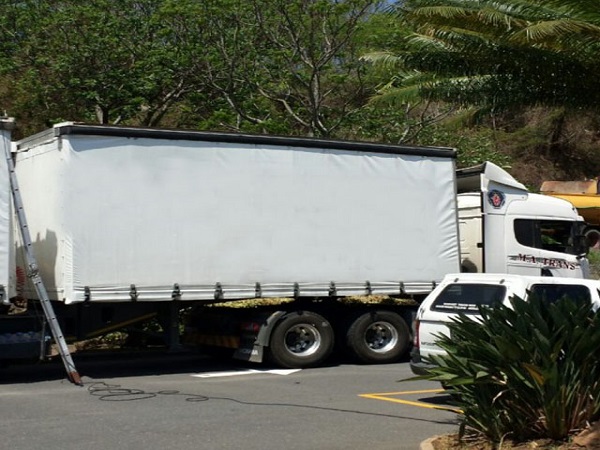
(523, 372)
(594, 258)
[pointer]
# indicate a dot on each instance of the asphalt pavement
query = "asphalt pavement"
(188, 401)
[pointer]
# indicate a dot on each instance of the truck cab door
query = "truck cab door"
(526, 257)
(548, 247)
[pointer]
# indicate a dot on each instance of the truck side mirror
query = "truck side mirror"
(592, 237)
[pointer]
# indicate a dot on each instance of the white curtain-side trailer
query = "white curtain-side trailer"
(122, 212)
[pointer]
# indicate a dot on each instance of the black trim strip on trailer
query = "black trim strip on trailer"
(255, 139)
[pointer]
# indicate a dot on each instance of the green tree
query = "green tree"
(291, 61)
(284, 67)
(101, 60)
(524, 68)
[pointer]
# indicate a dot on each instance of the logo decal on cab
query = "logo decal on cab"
(496, 198)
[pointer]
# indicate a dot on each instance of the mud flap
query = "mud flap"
(253, 342)
(249, 351)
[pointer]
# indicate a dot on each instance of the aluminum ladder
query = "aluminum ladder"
(32, 267)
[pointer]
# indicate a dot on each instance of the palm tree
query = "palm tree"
(497, 54)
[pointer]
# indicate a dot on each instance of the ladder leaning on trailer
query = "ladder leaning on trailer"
(33, 271)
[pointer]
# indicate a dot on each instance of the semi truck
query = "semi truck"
(103, 227)
(585, 197)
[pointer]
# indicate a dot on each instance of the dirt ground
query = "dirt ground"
(588, 439)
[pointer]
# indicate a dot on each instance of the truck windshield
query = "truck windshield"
(562, 236)
(466, 298)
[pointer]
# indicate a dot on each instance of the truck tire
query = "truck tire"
(301, 339)
(378, 337)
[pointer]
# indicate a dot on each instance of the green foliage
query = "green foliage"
(299, 68)
(276, 66)
(594, 259)
(501, 54)
(525, 372)
(474, 146)
(499, 60)
(97, 61)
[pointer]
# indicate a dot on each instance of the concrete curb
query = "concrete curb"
(427, 444)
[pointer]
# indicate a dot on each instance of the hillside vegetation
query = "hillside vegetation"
(512, 81)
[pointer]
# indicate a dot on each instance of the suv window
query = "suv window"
(466, 297)
(553, 292)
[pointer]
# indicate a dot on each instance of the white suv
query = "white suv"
(462, 293)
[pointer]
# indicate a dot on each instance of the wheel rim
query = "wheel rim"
(381, 337)
(302, 340)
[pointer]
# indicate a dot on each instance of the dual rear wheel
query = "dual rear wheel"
(306, 339)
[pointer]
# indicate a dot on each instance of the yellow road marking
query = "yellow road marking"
(390, 397)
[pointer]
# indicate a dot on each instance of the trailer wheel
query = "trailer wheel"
(378, 337)
(301, 339)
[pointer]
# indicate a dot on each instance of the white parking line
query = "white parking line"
(234, 373)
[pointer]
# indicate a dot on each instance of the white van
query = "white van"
(462, 293)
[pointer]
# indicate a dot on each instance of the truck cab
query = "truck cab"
(504, 228)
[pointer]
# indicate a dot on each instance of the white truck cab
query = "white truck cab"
(504, 228)
(463, 293)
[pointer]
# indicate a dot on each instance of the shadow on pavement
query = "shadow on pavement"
(113, 365)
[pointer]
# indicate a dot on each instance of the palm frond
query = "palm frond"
(384, 59)
(504, 53)
(447, 12)
(557, 29)
(397, 96)
(582, 10)
(422, 42)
